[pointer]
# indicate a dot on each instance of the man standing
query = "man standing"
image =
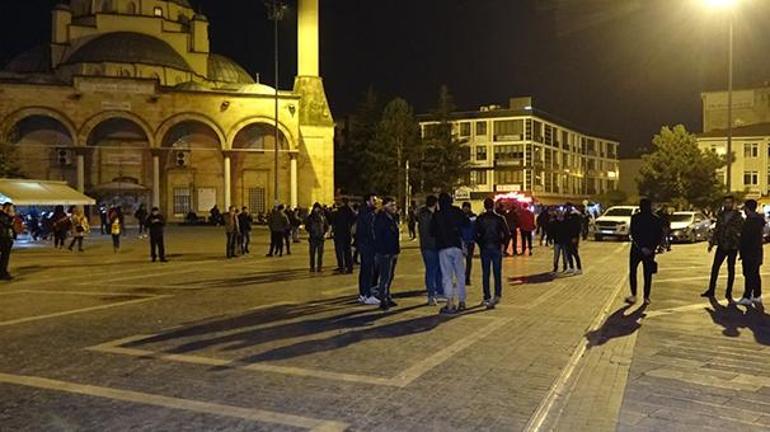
(141, 216)
(155, 224)
(447, 226)
(646, 236)
(344, 219)
(469, 241)
(411, 220)
(573, 227)
(365, 246)
(278, 223)
(232, 229)
(526, 226)
(491, 234)
(752, 254)
(245, 221)
(726, 237)
(512, 218)
(386, 248)
(317, 226)
(429, 251)
(7, 215)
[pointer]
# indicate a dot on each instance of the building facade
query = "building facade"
(128, 104)
(751, 138)
(522, 149)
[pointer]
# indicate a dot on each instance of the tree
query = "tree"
(679, 173)
(445, 161)
(354, 160)
(9, 162)
(397, 142)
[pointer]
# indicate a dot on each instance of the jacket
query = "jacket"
(424, 219)
(646, 231)
(573, 225)
(6, 227)
(344, 218)
(751, 243)
(512, 218)
(231, 223)
(447, 227)
(155, 223)
(79, 225)
(469, 230)
(491, 231)
(527, 221)
(316, 226)
(364, 229)
(727, 234)
(245, 221)
(278, 221)
(386, 235)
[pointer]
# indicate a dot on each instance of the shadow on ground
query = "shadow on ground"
(616, 326)
(733, 319)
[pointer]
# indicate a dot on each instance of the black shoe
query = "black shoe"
(707, 294)
(163, 260)
(384, 306)
(391, 303)
(467, 282)
(461, 307)
(269, 255)
(446, 310)
(154, 259)
(6, 277)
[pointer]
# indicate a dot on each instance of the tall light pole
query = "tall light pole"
(276, 10)
(729, 6)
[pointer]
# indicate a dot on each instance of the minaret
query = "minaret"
(314, 164)
(307, 37)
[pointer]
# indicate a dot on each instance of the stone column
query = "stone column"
(293, 174)
(228, 182)
(307, 38)
(156, 180)
(81, 169)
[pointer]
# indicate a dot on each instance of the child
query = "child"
(115, 231)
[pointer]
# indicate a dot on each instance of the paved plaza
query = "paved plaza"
(96, 341)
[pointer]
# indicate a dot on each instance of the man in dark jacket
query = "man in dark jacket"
(245, 221)
(155, 224)
(278, 223)
(573, 228)
(512, 218)
(752, 254)
(727, 238)
(365, 246)
(429, 250)
(646, 236)
(316, 226)
(232, 230)
(387, 247)
(344, 218)
(491, 234)
(7, 215)
(447, 227)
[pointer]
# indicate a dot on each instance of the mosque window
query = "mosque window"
(158, 11)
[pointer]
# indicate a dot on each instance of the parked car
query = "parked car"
(689, 227)
(615, 222)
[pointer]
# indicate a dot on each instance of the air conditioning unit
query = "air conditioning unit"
(181, 158)
(64, 157)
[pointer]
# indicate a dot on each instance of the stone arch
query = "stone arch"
(11, 120)
(131, 8)
(263, 121)
(177, 119)
(89, 125)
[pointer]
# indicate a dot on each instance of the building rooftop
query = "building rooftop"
(755, 130)
(129, 47)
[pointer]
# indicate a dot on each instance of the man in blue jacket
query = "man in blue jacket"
(387, 247)
(365, 247)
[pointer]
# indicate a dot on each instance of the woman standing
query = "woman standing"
(60, 225)
(79, 228)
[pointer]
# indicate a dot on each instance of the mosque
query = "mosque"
(128, 104)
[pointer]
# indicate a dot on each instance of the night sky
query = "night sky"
(618, 67)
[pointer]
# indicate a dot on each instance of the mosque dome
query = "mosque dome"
(36, 60)
(129, 47)
(183, 3)
(225, 70)
(192, 86)
(257, 89)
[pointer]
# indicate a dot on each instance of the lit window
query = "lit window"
(478, 178)
(481, 128)
(158, 11)
(481, 153)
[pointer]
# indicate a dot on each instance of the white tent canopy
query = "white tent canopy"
(24, 192)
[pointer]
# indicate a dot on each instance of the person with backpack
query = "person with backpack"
(317, 226)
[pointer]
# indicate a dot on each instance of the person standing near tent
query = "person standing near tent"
(60, 225)
(7, 214)
(155, 224)
(79, 229)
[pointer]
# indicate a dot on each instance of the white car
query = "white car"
(615, 222)
(689, 227)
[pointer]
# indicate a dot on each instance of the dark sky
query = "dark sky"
(619, 67)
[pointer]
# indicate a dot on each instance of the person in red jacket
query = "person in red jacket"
(526, 227)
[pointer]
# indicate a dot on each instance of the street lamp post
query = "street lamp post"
(276, 10)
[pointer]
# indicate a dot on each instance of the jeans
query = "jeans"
(245, 242)
(753, 287)
(559, 250)
(343, 249)
(386, 267)
(573, 254)
(157, 247)
(719, 259)
(492, 259)
(470, 249)
(432, 272)
(116, 241)
(232, 241)
(514, 241)
(366, 273)
(5, 255)
(635, 258)
(316, 253)
(453, 271)
(276, 243)
(526, 241)
(58, 238)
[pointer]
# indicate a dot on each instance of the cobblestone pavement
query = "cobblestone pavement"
(99, 341)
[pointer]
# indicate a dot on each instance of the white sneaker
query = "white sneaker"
(757, 300)
(578, 272)
(631, 299)
(441, 299)
(374, 301)
(569, 271)
(745, 302)
(361, 299)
